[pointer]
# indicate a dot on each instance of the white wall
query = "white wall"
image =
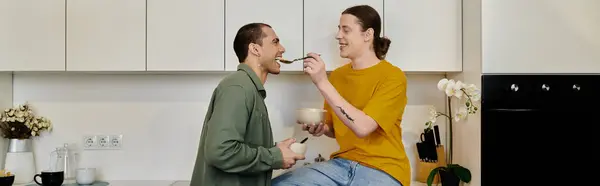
(467, 134)
(160, 116)
(6, 95)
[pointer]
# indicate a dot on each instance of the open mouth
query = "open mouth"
(343, 45)
(282, 60)
(279, 59)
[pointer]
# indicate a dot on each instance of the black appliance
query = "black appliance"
(539, 129)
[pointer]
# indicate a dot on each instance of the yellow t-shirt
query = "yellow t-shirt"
(380, 92)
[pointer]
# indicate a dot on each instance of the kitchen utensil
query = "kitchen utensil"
(432, 152)
(420, 151)
(427, 146)
(438, 140)
(292, 61)
(304, 140)
(428, 137)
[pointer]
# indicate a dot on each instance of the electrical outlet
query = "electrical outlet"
(116, 141)
(103, 141)
(89, 142)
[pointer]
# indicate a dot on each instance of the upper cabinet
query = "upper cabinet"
(191, 35)
(32, 35)
(425, 34)
(540, 36)
(106, 35)
(186, 35)
(284, 16)
(321, 20)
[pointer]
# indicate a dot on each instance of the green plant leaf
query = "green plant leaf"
(432, 175)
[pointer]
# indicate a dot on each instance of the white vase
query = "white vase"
(19, 160)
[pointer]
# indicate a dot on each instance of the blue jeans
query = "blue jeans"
(335, 172)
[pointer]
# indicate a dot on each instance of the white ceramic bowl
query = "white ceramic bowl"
(298, 148)
(86, 176)
(310, 115)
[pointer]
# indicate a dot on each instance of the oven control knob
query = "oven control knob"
(545, 87)
(576, 87)
(514, 87)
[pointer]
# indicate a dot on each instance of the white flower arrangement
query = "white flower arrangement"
(456, 89)
(468, 93)
(20, 122)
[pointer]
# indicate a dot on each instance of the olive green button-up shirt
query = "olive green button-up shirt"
(236, 145)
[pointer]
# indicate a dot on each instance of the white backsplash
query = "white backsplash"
(161, 116)
(6, 96)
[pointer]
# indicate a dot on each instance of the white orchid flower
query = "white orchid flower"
(450, 88)
(461, 114)
(442, 84)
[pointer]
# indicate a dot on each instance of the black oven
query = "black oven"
(540, 129)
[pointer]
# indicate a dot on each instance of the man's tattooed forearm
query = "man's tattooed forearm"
(345, 114)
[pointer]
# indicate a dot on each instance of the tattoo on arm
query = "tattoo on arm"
(345, 114)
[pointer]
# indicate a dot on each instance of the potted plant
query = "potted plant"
(453, 174)
(20, 124)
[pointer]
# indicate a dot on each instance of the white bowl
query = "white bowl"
(310, 115)
(298, 148)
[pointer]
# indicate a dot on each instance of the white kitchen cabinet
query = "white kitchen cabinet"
(284, 16)
(186, 35)
(425, 34)
(540, 36)
(321, 20)
(32, 35)
(106, 35)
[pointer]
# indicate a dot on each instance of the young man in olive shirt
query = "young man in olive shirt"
(236, 145)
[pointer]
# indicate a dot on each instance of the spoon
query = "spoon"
(291, 61)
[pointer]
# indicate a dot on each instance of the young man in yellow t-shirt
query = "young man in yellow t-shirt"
(365, 100)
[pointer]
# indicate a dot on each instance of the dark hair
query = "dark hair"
(249, 33)
(369, 18)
